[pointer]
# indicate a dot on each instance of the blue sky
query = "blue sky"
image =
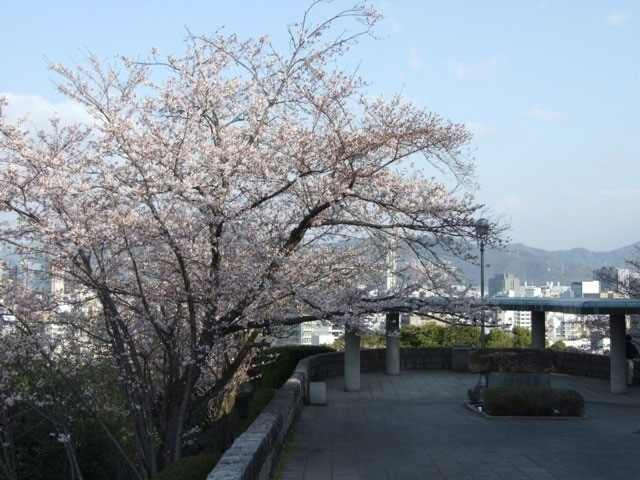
(549, 88)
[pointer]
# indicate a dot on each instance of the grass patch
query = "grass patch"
(194, 467)
(285, 451)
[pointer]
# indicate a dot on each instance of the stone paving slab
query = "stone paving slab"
(414, 426)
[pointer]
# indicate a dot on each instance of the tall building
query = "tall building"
(613, 279)
(623, 281)
(5, 272)
(504, 282)
(56, 281)
(586, 289)
(564, 326)
(531, 291)
(522, 319)
(33, 274)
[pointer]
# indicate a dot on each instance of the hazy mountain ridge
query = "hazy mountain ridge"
(538, 266)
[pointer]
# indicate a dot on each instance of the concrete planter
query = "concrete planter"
(460, 358)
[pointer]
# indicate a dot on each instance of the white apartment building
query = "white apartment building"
(530, 291)
(522, 319)
(564, 326)
(318, 332)
(586, 289)
(507, 318)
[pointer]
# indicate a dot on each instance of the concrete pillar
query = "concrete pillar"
(392, 351)
(618, 355)
(351, 361)
(537, 330)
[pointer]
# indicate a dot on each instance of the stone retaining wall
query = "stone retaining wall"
(254, 453)
(318, 367)
(583, 364)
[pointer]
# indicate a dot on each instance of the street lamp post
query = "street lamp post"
(482, 232)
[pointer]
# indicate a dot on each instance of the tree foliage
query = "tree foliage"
(559, 345)
(429, 335)
(215, 196)
(437, 335)
(521, 337)
(498, 338)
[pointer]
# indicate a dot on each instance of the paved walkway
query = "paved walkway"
(414, 426)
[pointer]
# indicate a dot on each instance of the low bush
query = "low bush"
(194, 467)
(475, 394)
(533, 402)
(568, 403)
(275, 365)
(259, 399)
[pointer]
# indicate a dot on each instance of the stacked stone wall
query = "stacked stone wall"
(583, 364)
(325, 365)
(254, 453)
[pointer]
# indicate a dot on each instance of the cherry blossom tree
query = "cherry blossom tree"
(216, 196)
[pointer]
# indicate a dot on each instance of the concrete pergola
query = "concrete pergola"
(615, 308)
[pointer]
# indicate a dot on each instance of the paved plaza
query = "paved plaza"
(414, 426)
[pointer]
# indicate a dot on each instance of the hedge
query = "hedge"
(533, 402)
(275, 365)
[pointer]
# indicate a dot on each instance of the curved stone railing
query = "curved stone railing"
(324, 365)
(583, 364)
(253, 454)
(590, 365)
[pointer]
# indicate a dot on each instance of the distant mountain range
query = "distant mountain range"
(537, 266)
(533, 265)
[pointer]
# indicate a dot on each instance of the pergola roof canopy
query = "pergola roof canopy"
(583, 306)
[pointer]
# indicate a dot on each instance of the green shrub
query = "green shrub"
(436, 335)
(568, 403)
(521, 337)
(428, 335)
(533, 402)
(275, 365)
(194, 467)
(259, 399)
(373, 341)
(559, 345)
(498, 338)
(461, 335)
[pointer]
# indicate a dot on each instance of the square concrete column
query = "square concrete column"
(392, 350)
(351, 361)
(618, 355)
(537, 330)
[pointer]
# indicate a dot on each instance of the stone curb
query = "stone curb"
(475, 410)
